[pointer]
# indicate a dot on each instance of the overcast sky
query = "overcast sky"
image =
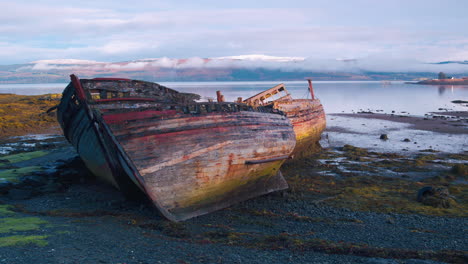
(395, 30)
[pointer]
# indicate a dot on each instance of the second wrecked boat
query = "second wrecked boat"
(306, 115)
(189, 158)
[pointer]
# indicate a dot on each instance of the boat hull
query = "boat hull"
(187, 163)
(308, 119)
(192, 165)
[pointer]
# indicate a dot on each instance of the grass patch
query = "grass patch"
(13, 174)
(13, 224)
(23, 156)
(22, 241)
(5, 210)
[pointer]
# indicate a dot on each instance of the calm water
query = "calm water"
(336, 97)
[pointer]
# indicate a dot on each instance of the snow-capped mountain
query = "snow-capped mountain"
(259, 57)
(66, 61)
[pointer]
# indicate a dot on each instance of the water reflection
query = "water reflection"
(441, 89)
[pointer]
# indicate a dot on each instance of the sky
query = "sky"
(392, 33)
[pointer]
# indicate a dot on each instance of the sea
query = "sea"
(336, 96)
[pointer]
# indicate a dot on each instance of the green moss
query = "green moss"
(11, 224)
(24, 156)
(5, 210)
(22, 240)
(13, 174)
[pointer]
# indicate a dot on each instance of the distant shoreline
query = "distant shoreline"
(463, 81)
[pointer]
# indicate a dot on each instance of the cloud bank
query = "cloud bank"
(287, 64)
(386, 36)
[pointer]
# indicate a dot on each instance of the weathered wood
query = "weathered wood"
(189, 158)
(306, 115)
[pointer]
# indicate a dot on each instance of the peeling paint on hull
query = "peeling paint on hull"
(308, 119)
(188, 158)
(306, 115)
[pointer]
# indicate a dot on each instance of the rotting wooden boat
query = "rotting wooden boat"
(306, 115)
(189, 158)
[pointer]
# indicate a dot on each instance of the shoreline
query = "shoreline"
(456, 125)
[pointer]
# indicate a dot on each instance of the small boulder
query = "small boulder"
(384, 137)
(406, 140)
(438, 197)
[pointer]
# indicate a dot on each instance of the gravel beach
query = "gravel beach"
(61, 214)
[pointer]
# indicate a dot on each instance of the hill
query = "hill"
(234, 68)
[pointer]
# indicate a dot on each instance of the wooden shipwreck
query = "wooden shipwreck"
(306, 115)
(190, 158)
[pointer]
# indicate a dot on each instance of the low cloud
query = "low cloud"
(371, 64)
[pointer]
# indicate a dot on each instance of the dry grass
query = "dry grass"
(21, 114)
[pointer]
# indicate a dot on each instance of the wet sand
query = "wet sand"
(458, 114)
(456, 125)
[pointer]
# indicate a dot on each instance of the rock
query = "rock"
(406, 140)
(438, 197)
(20, 194)
(384, 137)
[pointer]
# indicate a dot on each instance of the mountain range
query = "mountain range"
(232, 68)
